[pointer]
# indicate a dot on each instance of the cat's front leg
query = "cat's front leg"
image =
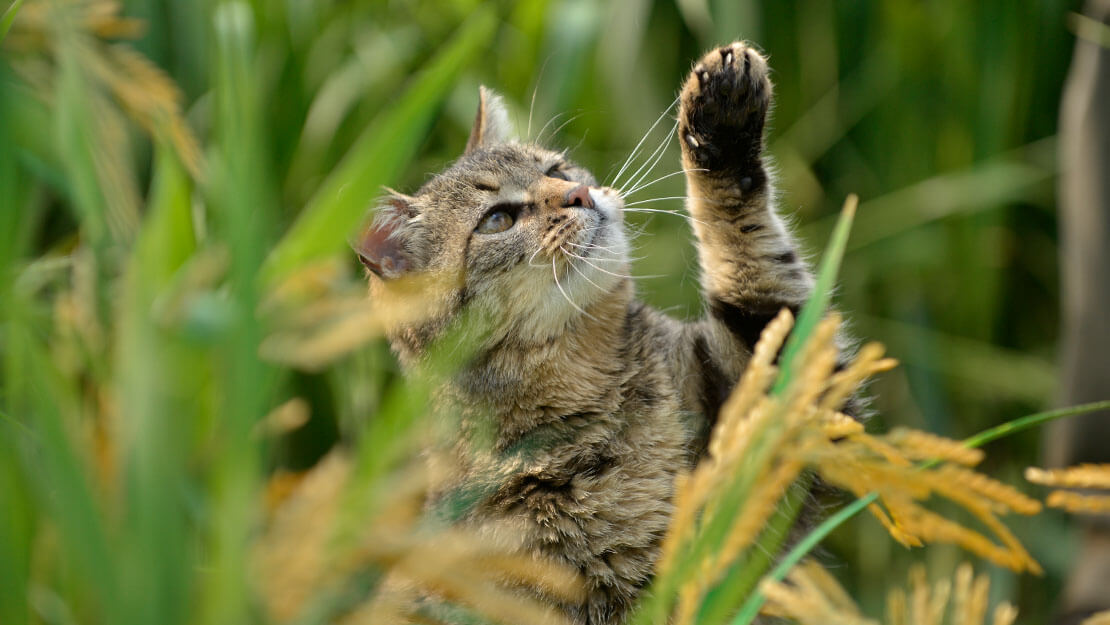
(750, 266)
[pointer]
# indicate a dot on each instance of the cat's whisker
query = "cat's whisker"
(555, 272)
(549, 122)
(581, 273)
(655, 199)
(564, 125)
(607, 260)
(633, 232)
(531, 108)
(592, 246)
(654, 159)
(618, 257)
(578, 145)
(585, 260)
(666, 212)
(535, 90)
(650, 159)
(648, 184)
(533, 257)
(635, 150)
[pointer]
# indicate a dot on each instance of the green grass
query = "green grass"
(130, 470)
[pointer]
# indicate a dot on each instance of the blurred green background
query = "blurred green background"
(134, 261)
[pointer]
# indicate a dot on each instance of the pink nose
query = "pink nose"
(579, 196)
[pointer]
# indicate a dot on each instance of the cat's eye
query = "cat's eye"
(494, 222)
(556, 172)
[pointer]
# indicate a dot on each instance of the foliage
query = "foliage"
(183, 335)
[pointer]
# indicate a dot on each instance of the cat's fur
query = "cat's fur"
(592, 400)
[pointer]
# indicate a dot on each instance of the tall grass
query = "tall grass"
(179, 181)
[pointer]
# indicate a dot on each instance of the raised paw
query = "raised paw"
(723, 108)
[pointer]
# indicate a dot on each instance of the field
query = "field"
(183, 325)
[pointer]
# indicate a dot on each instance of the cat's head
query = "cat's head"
(518, 230)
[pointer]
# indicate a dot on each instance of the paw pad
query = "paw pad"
(724, 105)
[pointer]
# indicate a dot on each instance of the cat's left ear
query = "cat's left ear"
(491, 124)
(384, 248)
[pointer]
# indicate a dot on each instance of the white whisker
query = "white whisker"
(654, 159)
(635, 150)
(532, 106)
(655, 199)
(666, 212)
(648, 184)
(555, 272)
(592, 246)
(585, 260)
(563, 125)
(584, 276)
(549, 122)
(533, 257)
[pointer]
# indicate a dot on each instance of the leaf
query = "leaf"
(9, 17)
(818, 302)
(378, 157)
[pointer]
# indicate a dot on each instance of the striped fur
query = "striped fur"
(582, 403)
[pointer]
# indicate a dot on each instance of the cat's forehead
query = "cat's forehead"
(506, 164)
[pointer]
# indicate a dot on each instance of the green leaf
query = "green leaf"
(9, 17)
(378, 157)
(818, 302)
(154, 560)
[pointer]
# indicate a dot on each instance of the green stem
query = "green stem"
(755, 601)
(745, 574)
(1026, 422)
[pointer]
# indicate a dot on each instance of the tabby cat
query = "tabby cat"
(592, 401)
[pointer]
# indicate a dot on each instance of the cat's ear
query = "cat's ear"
(491, 124)
(381, 248)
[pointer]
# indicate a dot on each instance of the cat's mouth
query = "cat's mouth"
(580, 232)
(587, 236)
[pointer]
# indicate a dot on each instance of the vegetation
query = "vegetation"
(184, 333)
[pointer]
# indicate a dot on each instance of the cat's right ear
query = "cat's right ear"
(491, 124)
(381, 247)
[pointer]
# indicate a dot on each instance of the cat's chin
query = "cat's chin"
(608, 202)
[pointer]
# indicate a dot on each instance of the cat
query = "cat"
(592, 401)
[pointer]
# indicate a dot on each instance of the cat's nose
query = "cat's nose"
(579, 196)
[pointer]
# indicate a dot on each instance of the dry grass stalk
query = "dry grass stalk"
(1082, 476)
(288, 416)
(316, 315)
(141, 88)
(729, 441)
(920, 445)
(862, 463)
(304, 556)
(1085, 476)
(1102, 618)
(763, 441)
(813, 597)
(1078, 503)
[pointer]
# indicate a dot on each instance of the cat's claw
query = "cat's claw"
(723, 108)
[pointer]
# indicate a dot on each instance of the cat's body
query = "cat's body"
(595, 400)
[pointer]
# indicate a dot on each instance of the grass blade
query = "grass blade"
(8, 18)
(1035, 419)
(155, 558)
(755, 601)
(815, 307)
(378, 157)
